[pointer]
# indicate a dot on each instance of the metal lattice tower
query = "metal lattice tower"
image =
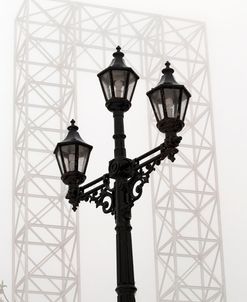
(45, 243)
(56, 40)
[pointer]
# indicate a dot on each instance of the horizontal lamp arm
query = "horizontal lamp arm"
(94, 182)
(147, 154)
(167, 149)
(97, 191)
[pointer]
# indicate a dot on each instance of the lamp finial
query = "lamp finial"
(72, 125)
(167, 70)
(168, 64)
(118, 53)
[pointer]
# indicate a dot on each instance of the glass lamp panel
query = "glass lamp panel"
(68, 154)
(183, 106)
(171, 96)
(119, 82)
(82, 158)
(106, 83)
(59, 160)
(157, 104)
(132, 82)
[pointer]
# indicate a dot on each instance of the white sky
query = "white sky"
(227, 34)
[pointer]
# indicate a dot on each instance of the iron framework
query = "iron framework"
(46, 264)
(54, 41)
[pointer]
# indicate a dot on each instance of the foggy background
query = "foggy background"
(226, 24)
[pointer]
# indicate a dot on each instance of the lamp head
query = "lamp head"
(72, 156)
(169, 101)
(118, 82)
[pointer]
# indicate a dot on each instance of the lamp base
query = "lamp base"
(170, 125)
(73, 178)
(118, 104)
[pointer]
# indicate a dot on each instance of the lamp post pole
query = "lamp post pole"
(125, 271)
(169, 101)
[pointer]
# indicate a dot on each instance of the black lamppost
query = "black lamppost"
(169, 101)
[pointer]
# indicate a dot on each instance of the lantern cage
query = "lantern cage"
(169, 101)
(118, 83)
(72, 155)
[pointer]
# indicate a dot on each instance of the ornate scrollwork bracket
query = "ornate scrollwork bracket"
(143, 169)
(137, 171)
(97, 191)
(140, 178)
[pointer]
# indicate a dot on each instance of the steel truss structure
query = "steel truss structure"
(45, 243)
(55, 40)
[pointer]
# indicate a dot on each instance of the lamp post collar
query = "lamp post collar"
(167, 77)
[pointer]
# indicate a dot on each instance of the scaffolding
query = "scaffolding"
(55, 41)
(45, 243)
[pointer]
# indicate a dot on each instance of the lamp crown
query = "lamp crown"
(73, 134)
(118, 61)
(118, 53)
(167, 77)
(72, 126)
(168, 69)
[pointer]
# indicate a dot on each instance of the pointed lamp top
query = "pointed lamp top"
(73, 134)
(72, 126)
(118, 60)
(167, 77)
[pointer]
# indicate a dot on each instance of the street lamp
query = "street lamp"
(72, 155)
(169, 101)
